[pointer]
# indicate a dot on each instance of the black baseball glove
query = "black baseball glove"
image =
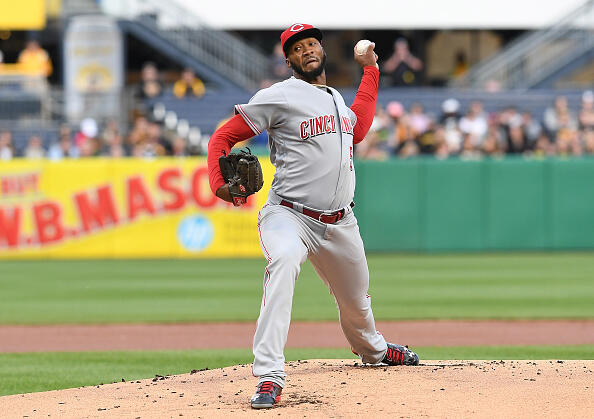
(243, 174)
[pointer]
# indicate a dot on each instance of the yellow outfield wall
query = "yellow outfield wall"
(122, 208)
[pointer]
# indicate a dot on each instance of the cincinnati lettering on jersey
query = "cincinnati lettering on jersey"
(345, 125)
(317, 126)
(324, 125)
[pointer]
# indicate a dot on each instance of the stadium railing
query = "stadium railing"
(535, 56)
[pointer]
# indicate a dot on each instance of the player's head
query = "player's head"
(296, 32)
(303, 50)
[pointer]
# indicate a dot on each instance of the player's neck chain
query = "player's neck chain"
(322, 86)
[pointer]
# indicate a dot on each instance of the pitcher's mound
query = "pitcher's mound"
(336, 388)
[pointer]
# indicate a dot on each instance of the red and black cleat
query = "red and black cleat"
(400, 355)
(267, 394)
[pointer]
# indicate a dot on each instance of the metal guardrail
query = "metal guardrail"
(224, 53)
(75, 7)
(536, 55)
(24, 96)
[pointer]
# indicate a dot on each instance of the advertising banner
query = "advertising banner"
(22, 15)
(122, 208)
(93, 67)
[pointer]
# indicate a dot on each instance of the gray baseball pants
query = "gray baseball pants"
(336, 251)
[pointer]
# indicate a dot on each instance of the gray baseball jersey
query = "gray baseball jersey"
(311, 141)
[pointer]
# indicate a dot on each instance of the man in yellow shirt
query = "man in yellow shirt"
(34, 60)
(189, 85)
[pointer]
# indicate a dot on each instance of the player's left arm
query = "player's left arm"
(365, 101)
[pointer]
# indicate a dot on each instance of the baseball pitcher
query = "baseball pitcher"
(309, 212)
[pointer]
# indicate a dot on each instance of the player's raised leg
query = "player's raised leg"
(342, 263)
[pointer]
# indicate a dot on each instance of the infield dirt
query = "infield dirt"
(337, 389)
(321, 388)
(301, 335)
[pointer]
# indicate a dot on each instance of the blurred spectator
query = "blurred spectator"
(139, 131)
(492, 86)
(394, 132)
(568, 143)
(567, 127)
(179, 147)
(398, 128)
(474, 124)
(586, 114)
(567, 139)
(409, 149)
(86, 138)
(493, 144)
(6, 147)
(442, 149)
(114, 146)
(111, 130)
(278, 69)
(34, 60)
(90, 148)
(450, 118)
(532, 129)
(150, 85)
(153, 144)
(429, 139)
(418, 120)
(543, 146)
(558, 115)
(1, 57)
(470, 149)
(373, 147)
(516, 142)
(402, 68)
(112, 142)
(576, 147)
(507, 119)
(64, 147)
(460, 64)
(188, 85)
(34, 149)
(588, 140)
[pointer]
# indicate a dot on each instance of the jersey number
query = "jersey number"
(351, 157)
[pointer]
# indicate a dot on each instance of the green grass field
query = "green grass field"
(403, 286)
(496, 286)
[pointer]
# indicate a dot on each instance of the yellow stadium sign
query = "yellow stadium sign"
(22, 14)
(106, 208)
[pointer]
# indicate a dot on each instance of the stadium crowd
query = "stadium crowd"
(144, 139)
(475, 132)
(396, 132)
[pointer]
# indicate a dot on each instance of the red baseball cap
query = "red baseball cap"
(296, 32)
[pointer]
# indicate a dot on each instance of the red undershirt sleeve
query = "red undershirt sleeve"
(232, 132)
(364, 103)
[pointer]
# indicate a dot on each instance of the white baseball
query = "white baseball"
(362, 46)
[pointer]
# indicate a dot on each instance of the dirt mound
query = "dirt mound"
(336, 388)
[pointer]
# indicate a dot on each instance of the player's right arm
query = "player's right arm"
(229, 134)
(365, 101)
